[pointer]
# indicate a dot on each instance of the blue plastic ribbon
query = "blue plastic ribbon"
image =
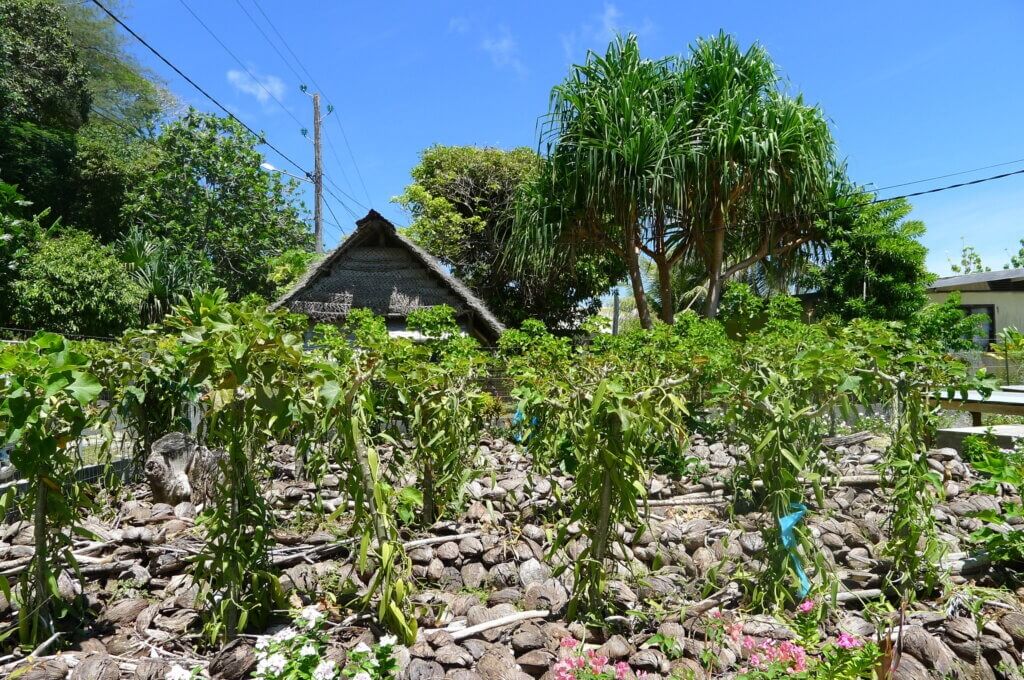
(786, 526)
(517, 418)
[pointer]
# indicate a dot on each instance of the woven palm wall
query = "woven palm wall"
(385, 279)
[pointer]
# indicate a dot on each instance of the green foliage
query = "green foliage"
(876, 263)
(73, 284)
(904, 378)
(20, 230)
(43, 79)
(1001, 537)
(743, 312)
(343, 416)
(118, 84)
(970, 261)
(777, 404)
(700, 161)
(945, 325)
(48, 397)
(298, 652)
(206, 193)
(377, 662)
(287, 268)
(159, 272)
(600, 416)
(463, 200)
(440, 406)
(246, 362)
(41, 162)
(1017, 259)
(109, 161)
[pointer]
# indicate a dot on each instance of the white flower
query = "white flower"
(310, 616)
(362, 676)
(325, 671)
(262, 643)
(178, 673)
(362, 647)
(308, 650)
(285, 634)
(272, 666)
(388, 641)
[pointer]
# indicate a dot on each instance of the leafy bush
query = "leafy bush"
(72, 284)
(1002, 536)
(48, 397)
(945, 325)
(246, 363)
(439, 404)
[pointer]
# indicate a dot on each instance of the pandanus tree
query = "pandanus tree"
(703, 161)
(762, 170)
(617, 135)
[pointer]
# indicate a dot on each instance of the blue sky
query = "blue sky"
(914, 89)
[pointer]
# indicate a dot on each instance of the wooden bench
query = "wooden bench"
(1003, 402)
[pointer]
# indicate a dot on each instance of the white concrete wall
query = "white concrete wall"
(1009, 305)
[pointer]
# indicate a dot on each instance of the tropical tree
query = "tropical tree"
(158, 271)
(704, 159)
(762, 167)
(970, 261)
(43, 79)
(73, 284)
(463, 201)
(617, 136)
(875, 263)
(206, 193)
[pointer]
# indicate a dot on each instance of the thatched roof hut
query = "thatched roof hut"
(379, 269)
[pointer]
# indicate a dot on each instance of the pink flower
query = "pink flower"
(805, 607)
(717, 614)
(735, 630)
(621, 670)
(756, 661)
(748, 642)
(847, 641)
(569, 641)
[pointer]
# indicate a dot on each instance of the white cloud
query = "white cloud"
(263, 87)
(610, 19)
(504, 51)
(601, 29)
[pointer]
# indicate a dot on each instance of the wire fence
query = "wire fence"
(1007, 368)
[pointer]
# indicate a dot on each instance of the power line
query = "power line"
(951, 186)
(937, 177)
(876, 201)
(315, 84)
(113, 120)
(262, 139)
(337, 157)
(344, 205)
(239, 62)
(342, 202)
(269, 41)
(344, 193)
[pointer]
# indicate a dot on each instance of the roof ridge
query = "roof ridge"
(364, 227)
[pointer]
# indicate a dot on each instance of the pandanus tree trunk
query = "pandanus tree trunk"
(668, 303)
(713, 257)
(636, 281)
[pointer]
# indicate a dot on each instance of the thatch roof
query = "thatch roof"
(378, 268)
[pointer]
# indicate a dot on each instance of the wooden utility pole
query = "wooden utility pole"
(318, 177)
